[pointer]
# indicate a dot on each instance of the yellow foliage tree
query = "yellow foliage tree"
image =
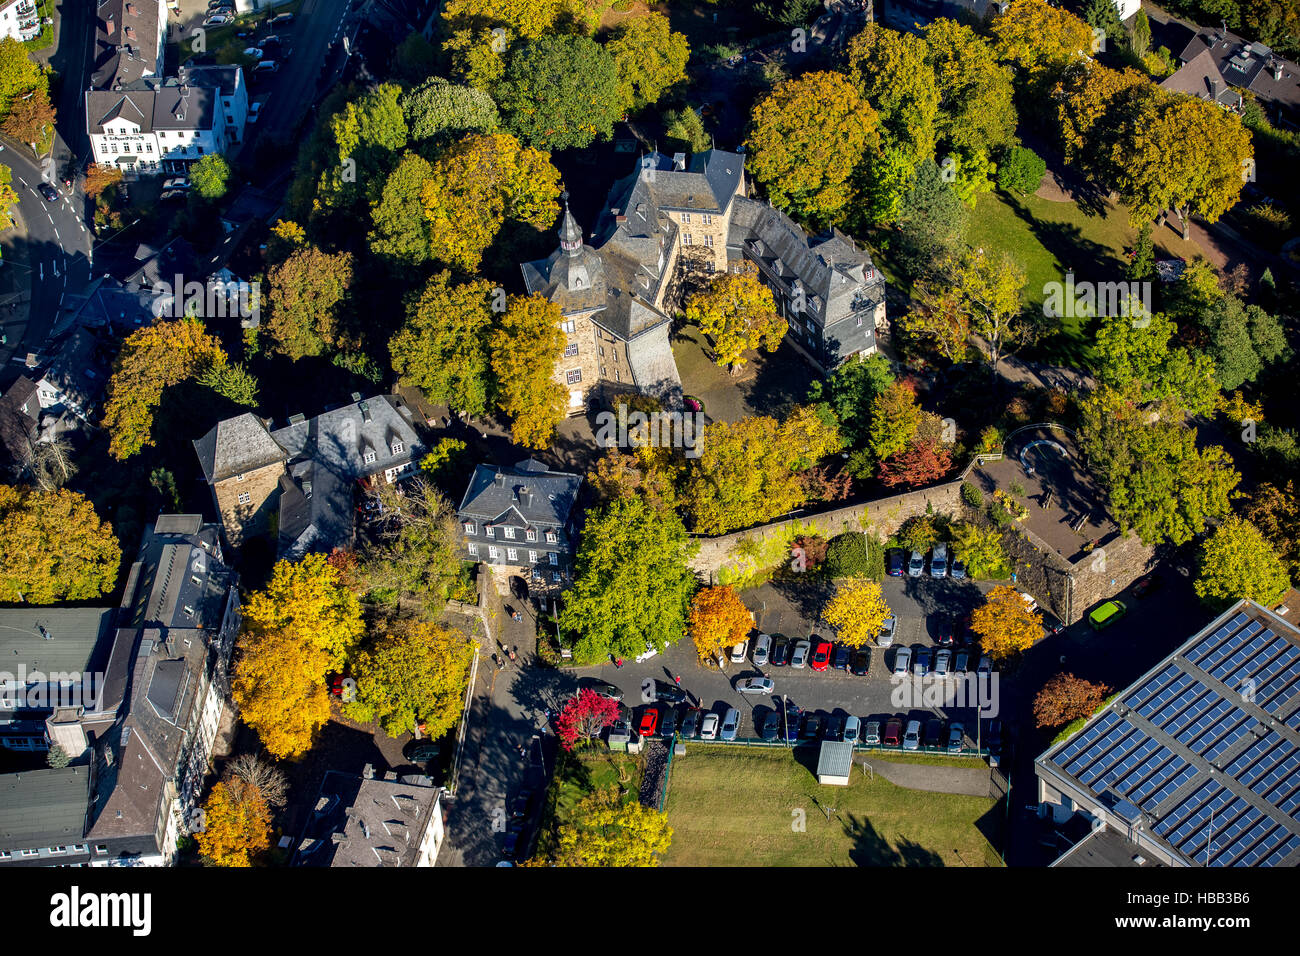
(607, 832)
(857, 611)
(279, 686)
(525, 349)
(738, 311)
(54, 547)
(308, 600)
(236, 824)
(718, 620)
(1005, 624)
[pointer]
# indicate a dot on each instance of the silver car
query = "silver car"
(800, 656)
(886, 636)
(902, 662)
(942, 662)
(762, 646)
(755, 685)
(916, 565)
(730, 724)
(852, 729)
(912, 738)
(709, 727)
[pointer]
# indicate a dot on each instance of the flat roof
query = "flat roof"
(1109, 849)
(1201, 753)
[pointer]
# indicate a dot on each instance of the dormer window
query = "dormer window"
(552, 537)
(469, 528)
(397, 447)
(239, 477)
(491, 531)
(531, 534)
(368, 458)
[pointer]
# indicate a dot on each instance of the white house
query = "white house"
(18, 20)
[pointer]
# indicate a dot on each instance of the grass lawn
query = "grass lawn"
(736, 806)
(578, 775)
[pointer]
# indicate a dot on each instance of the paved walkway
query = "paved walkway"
(972, 781)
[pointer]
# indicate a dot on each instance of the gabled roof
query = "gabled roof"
(236, 446)
(1200, 77)
(553, 495)
(126, 41)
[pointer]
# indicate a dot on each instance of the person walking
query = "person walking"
(677, 679)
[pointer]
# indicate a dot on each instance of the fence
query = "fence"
(981, 752)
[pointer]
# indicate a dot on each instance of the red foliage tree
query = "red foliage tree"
(584, 717)
(820, 484)
(921, 463)
(1065, 698)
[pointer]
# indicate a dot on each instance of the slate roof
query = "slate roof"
(20, 413)
(372, 823)
(126, 42)
(50, 639)
(236, 446)
(1250, 66)
(76, 370)
(554, 494)
(1200, 77)
(156, 104)
(110, 303)
(43, 808)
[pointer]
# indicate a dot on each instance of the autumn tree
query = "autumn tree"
(8, 198)
(1237, 562)
(278, 684)
(54, 547)
(1040, 39)
(1005, 624)
(236, 825)
(850, 392)
(210, 177)
(416, 555)
(31, 117)
(939, 318)
(306, 599)
(526, 346)
(975, 98)
(1275, 511)
(472, 188)
(263, 775)
(980, 549)
(360, 145)
(441, 111)
(648, 59)
(18, 73)
(606, 831)
(719, 621)
(1067, 698)
(892, 71)
(808, 169)
(926, 459)
(415, 676)
(524, 18)
(583, 717)
(991, 293)
(895, 417)
(631, 584)
(857, 611)
(306, 301)
(561, 92)
(738, 311)
(152, 360)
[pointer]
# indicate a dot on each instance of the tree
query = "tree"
(31, 117)
(895, 417)
(631, 584)
(8, 198)
(1067, 698)
(1136, 354)
(307, 291)
(1242, 340)
(980, 549)
(1103, 15)
(975, 101)
(236, 825)
(56, 758)
(1238, 562)
(892, 72)
(808, 169)
(444, 460)
(583, 717)
(401, 227)
(648, 59)
(719, 621)
(54, 547)
(1042, 39)
(991, 291)
(684, 128)
(476, 185)
(604, 831)
(738, 311)
(416, 676)
(524, 18)
(857, 611)
(417, 553)
(262, 775)
(1021, 170)
(442, 348)
(233, 382)
(278, 684)
(525, 349)
(560, 92)
(1142, 267)
(891, 176)
(1275, 511)
(1139, 35)
(307, 599)
(926, 459)
(847, 556)
(1005, 624)
(932, 223)
(152, 360)
(18, 74)
(415, 58)
(362, 141)
(441, 111)
(918, 533)
(940, 318)
(850, 391)
(210, 177)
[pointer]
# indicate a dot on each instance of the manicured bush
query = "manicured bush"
(847, 556)
(1021, 171)
(972, 495)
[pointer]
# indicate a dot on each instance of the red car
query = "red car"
(649, 722)
(893, 732)
(821, 656)
(1145, 585)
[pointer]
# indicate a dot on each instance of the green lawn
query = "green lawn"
(578, 775)
(733, 806)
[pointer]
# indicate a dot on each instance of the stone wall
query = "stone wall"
(1110, 568)
(243, 520)
(881, 517)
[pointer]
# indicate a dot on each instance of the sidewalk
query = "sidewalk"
(972, 781)
(15, 290)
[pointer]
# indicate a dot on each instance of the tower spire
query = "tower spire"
(570, 232)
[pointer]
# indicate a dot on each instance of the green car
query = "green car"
(1107, 614)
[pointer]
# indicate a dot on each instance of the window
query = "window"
(397, 447)
(571, 350)
(602, 355)
(686, 217)
(59, 849)
(245, 498)
(552, 537)
(469, 528)
(708, 240)
(617, 377)
(568, 325)
(532, 557)
(473, 548)
(101, 848)
(239, 477)
(368, 458)
(29, 852)
(491, 531)
(493, 552)
(554, 558)
(78, 848)
(200, 149)
(509, 532)
(706, 219)
(573, 375)
(531, 534)
(512, 554)
(4, 854)
(686, 238)
(859, 322)
(556, 577)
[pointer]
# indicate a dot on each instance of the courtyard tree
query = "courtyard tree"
(719, 621)
(413, 678)
(307, 600)
(306, 300)
(416, 555)
(526, 346)
(850, 391)
(606, 831)
(648, 58)
(210, 177)
(895, 417)
(560, 92)
(1067, 698)
(278, 684)
(236, 825)
(1237, 562)
(857, 610)
(738, 311)
(1275, 511)
(583, 717)
(980, 549)
(1005, 624)
(54, 547)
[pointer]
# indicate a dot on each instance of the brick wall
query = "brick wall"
(246, 520)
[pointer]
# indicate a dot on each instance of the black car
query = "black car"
(421, 751)
(812, 727)
(667, 722)
(514, 842)
(669, 693)
(861, 662)
(771, 728)
(993, 737)
(780, 653)
(942, 627)
(49, 192)
(691, 722)
(833, 729)
(933, 732)
(840, 660)
(1145, 585)
(603, 688)
(894, 562)
(522, 804)
(1051, 625)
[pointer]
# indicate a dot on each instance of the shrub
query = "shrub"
(1021, 171)
(972, 495)
(847, 557)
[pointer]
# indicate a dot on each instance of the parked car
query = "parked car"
(933, 732)
(887, 631)
(812, 727)
(668, 722)
(602, 687)
(270, 39)
(985, 665)
(762, 647)
(916, 565)
(691, 723)
(780, 655)
(1051, 624)
(821, 656)
(840, 659)
(266, 66)
(176, 182)
(912, 738)
(669, 693)
(1106, 615)
(771, 728)
(943, 662)
(902, 661)
(871, 736)
(861, 662)
(280, 20)
(522, 804)
(171, 194)
(956, 743)
(217, 20)
(958, 571)
(942, 630)
(993, 737)
(709, 727)
(254, 52)
(852, 729)
(755, 685)
(1145, 585)
(921, 662)
(791, 722)
(894, 562)
(939, 561)
(799, 659)
(738, 652)
(833, 728)
(730, 724)
(421, 751)
(961, 662)
(962, 632)
(49, 192)
(893, 732)
(649, 722)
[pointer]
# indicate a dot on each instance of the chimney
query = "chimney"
(499, 479)
(525, 496)
(679, 161)
(1214, 89)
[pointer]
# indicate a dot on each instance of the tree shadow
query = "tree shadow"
(871, 849)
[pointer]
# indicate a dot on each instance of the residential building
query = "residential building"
(522, 522)
(76, 375)
(141, 747)
(1200, 77)
(20, 415)
(365, 821)
(1245, 67)
(130, 40)
(305, 473)
(19, 20)
(1197, 763)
